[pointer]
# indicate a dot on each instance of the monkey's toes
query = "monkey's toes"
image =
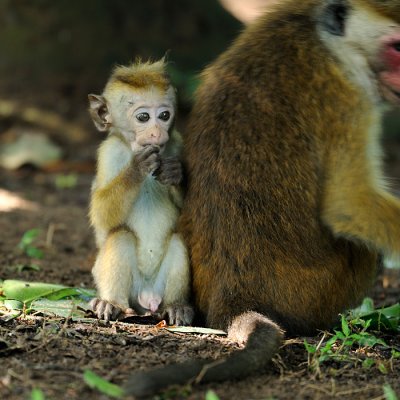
(179, 315)
(104, 309)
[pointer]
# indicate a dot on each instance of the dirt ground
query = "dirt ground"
(52, 353)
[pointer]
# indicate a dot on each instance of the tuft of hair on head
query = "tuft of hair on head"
(141, 75)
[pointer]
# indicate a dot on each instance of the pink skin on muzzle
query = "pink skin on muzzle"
(390, 77)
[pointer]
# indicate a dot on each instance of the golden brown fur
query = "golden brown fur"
(141, 75)
(257, 165)
(142, 265)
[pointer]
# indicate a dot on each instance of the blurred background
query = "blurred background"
(53, 53)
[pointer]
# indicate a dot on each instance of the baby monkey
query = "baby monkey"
(142, 264)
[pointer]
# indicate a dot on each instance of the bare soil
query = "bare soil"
(52, 353)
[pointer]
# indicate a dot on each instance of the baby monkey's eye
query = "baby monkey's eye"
(143, 117)
(165, 115)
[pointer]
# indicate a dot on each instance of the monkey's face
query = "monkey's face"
(390, 74)
(366, 40)
(143, 116)
(146, 117)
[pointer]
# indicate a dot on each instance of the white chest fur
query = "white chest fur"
(153, 219)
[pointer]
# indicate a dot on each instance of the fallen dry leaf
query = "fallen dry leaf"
(162, 324)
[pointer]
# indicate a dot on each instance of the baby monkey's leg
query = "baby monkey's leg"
(175, 275)
(112, 273)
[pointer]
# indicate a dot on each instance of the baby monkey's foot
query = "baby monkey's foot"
(108, 311)
(179, 314)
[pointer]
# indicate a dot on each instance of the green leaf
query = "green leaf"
(349, 342)
(367, 306)
(68, 292)
(345, 326)
(13, 304)
(323, 357)
(60, 308)
(331, 342)
(392, 311)
(33, 252)
(28, 237)
(366, 324)
(389, 392)
(37, 394)
(382, 368)
(30, 291)
(309, 347)
(211, 395)
(10, 309)
(368, 363)
(395, 354)
(102, 385)
(383, 319)
(368, 340)
(340, 335)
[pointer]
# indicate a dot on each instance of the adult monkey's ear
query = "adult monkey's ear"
(99, 112)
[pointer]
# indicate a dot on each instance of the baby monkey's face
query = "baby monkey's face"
(145, 117)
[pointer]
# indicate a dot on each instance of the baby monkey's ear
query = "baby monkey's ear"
(99, 112)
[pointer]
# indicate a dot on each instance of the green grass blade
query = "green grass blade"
(211, 395)
(37, 394)
(96, 382)
(389, 393)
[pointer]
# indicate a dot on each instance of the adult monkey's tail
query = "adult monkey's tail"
(261, 336)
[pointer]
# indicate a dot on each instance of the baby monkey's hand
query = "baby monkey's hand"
(146, 160)
(169, 172)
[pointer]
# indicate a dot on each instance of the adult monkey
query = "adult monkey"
(286, 207)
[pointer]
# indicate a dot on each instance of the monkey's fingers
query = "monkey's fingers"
(111, 312)
(130, 312)
(152, 165)
(179, 315)
(170, 176)
(104, 309)
(93, 303)
(147, 151)
(99, 309)
(171, 162)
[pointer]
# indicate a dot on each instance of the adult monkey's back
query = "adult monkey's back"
(286, 208)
